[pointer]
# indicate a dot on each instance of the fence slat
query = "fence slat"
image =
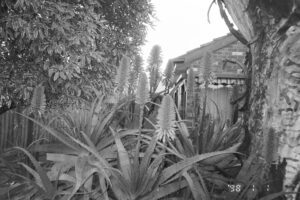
(13, 130)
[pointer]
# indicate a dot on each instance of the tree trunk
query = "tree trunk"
(273, 36)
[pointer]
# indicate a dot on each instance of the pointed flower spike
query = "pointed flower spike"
(166, 119)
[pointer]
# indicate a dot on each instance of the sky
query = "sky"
(182, 26)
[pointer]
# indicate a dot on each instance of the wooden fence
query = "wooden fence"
(217, 104)
(219, 99)
(16, 130)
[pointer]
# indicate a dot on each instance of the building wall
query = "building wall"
(222, 96)
(234, 51)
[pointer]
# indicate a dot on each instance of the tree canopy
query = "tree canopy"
(68, 46)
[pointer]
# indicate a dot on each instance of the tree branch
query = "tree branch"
(234, 32)
(209, 8)
(234, 62)
(234, 101)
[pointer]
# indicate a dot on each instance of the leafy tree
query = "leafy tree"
(271, 31)
(68, 46)
(127, 21)
(154, 63)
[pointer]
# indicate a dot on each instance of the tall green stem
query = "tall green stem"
(138, 146)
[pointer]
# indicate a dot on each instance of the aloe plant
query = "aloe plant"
(10, 183)
(165, 164)
(136, 179)
(188, 163)
(38, 187)
(213, 139)
(57, 183)
(146, 179)
(88, 158)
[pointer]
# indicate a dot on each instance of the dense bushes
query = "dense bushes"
(91, 156)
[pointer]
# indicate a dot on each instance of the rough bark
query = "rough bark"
(273, 36)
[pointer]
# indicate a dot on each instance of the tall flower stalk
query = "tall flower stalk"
(206, 70)
(38, 101)
(134, 73)
(168, 76)
(142, 97)
(123, 74)
(154, 63)
(206, 75)
(190, 85)
(166, 119)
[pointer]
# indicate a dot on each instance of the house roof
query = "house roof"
(182, 62)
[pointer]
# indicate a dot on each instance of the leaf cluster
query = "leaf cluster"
(68, 46)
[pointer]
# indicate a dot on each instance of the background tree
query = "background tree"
(128, 22)
(154, 63)
(68, 46)
(271, 31)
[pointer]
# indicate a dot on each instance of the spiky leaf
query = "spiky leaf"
(40, 175)
(123, 155)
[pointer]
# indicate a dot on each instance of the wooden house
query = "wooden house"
(226, 64)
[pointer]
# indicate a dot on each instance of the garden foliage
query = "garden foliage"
(67, 46)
